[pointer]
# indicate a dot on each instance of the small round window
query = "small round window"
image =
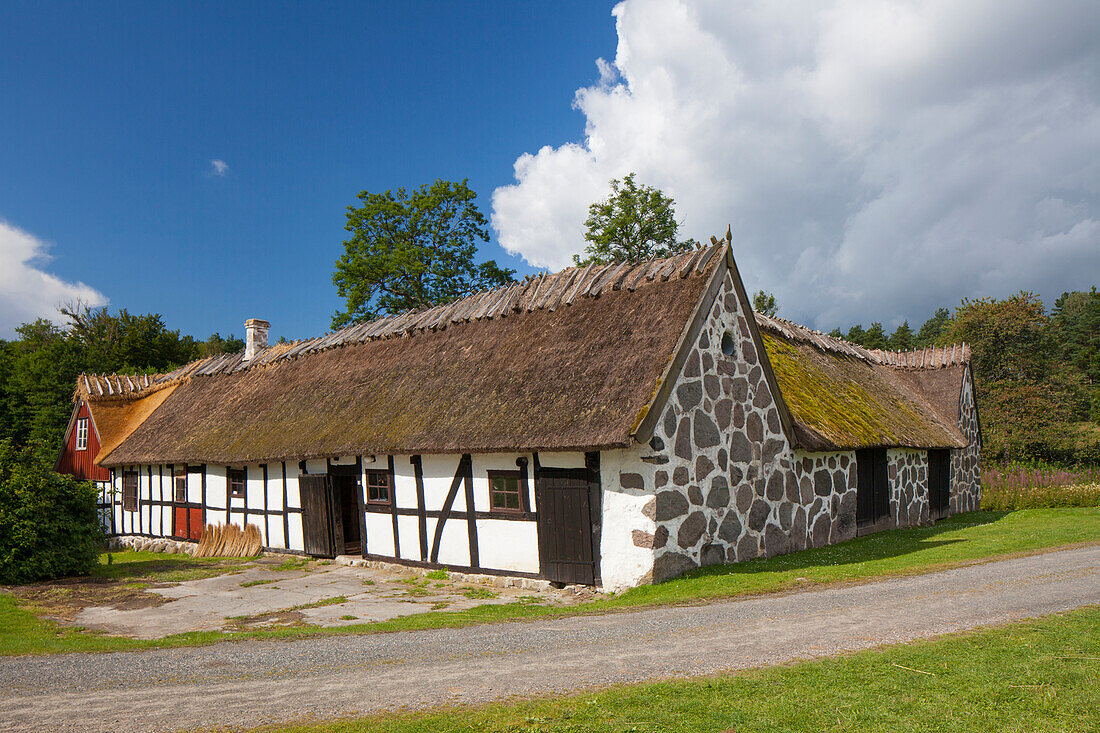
(727, 343)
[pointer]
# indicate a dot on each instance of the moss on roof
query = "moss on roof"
(842, 401)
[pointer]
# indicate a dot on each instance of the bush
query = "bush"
(49, 527)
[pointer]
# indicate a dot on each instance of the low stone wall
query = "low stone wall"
(496, 581)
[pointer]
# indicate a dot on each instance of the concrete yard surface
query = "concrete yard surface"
(256, 682)
(323, 595)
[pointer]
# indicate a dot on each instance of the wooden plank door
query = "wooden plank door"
(939, 482)
(318, 516)
(565, 526)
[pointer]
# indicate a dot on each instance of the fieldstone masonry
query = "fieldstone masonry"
(908, 473)
(966, 471)
(726, 485)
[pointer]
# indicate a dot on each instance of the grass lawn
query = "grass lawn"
(962, 539)
(1038, 675)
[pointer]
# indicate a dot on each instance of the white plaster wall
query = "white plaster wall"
(622, 563)
(380, 534)
(508, 545)
(294, 501)
(215, 492)
(571, 459)
(409, 534)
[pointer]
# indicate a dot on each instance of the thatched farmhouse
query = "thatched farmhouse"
(612, 424)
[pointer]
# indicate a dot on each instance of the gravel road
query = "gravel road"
(250, 683)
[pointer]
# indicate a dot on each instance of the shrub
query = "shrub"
(49, 525)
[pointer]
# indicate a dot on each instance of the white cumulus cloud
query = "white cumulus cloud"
(219, 167)
(27, 292)
(876, 159)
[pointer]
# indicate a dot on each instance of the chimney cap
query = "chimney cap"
(256, 323)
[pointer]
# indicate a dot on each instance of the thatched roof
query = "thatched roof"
(581, 359)
(563, 361)
(841, 395)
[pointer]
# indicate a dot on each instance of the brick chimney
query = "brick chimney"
(255, 338)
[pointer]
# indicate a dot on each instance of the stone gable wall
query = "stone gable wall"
(719, 482)
(908, 474)
(966, 471)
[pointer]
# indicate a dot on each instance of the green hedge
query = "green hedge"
(49, 527)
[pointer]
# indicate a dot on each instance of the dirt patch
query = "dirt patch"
(64, 599)
(275, 619)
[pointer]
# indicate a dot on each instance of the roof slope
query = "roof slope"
(841, 395)
(561, 361)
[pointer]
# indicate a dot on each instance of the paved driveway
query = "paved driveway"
(256, 682)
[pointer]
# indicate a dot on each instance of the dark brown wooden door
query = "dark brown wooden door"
(939, 482)
(872, 486)
(318, 515)
(562, 501)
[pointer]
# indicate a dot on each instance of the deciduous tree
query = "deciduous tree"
(634, 224)
(412, 250)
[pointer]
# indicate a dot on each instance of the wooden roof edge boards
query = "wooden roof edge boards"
(786, 421)
(642, 430)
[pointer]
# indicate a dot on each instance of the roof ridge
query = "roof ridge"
(541, 291)
(931, 357)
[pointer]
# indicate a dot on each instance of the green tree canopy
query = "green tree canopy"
(634, 224)
(933, 327)
(836, 333)
(765, 303)
(855, 334)
(875, 337)
(903, 338)
(126, 342)
(410, 251)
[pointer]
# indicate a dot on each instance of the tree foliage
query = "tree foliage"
(903, 338)
(933, 328)
(412, 250)
(765, 303)
(634, 224)
(38, 369)
(49, 526)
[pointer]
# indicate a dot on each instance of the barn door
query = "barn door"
(318, 515)
(872, 486)
(939, 480)
(564, 510)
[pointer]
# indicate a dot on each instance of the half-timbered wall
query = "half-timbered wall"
(430, 519)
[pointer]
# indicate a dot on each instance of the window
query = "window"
(728, 344)
(179, 485)
(506, 489)
(82, 433)
(237, 479)
(129, 490)
(379, 487)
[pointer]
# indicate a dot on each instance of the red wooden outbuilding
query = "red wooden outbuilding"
(80, 448)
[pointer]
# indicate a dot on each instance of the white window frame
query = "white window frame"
(82, 433)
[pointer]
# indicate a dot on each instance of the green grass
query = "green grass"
(438, 574)
(155, 567)
(251, 583)
(1039, 675)
(293, 563)
(962, 539)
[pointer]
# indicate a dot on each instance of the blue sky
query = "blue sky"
(876, 159)
(115, 111)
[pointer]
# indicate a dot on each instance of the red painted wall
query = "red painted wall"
(79, 462)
